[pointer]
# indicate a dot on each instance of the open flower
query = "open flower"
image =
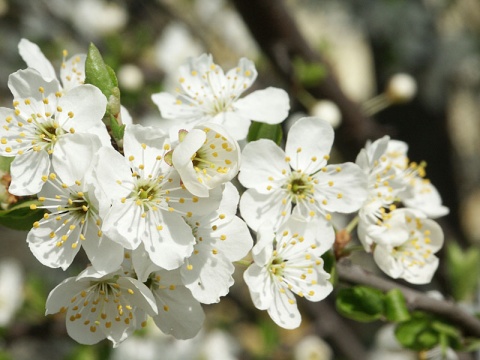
(73, 220)
(41, 123)
(406, 249)
(206, 93)
(99, 306)
(148, 199)
(289, 261)
(221, 238)
(206, 158)
(298, 181)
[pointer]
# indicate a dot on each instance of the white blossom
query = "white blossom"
(406, 249)
(73, 220)
(206, 93)
(298, 181)
(101, 306)
(38, 130)
(148, 199)
(286, 262)
(220, 239)
(205, 158)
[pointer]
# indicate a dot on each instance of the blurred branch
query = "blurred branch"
(331, 326)
(416, 300)
(278, 36)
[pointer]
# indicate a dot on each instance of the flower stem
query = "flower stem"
(349, 228)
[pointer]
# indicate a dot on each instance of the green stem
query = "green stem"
(349, 228)
(245, 263)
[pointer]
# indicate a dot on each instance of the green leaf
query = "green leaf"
(20, 216)
(259, 130)
(424, 331)
(408, 332)
(309, 74)
(463, 269)
(102, 76)
(360, 303)
(396, 306)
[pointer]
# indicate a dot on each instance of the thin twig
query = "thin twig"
(416, 300)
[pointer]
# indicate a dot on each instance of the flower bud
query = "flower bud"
(328, 111)
(401, 88)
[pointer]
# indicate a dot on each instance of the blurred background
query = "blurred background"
(337, 59)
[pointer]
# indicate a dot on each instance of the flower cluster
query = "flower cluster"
(157, 218)
(403, 240)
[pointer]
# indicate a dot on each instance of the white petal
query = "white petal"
(309, 142)
(145, 144)
(124, 224)
(168, 247)
(34, 57)
(45, 248)
(261, 161)
(27, 171)
(142, 264)
(171, 109)
(141, 295)
(270, 105)
(25, 84)
(105, 255)
(258, 208)
(73, 156)
(283, 309)
(112, 167)
(387, 262)
(344, 187)
(210, 276)
(61, 295)
(182, 161)
(82, 107)
(236, 124)
(179, 314)
(72, 72)
(259, 283)
(233, 239)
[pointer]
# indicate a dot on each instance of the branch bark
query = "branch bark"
(278, 36)
(416, 300)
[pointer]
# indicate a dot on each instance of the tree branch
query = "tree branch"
(416, 300)
(278, 36)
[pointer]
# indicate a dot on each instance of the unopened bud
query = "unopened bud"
(328, 111)
(401, 88)
(130, 77)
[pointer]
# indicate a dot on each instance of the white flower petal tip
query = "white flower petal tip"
(206, 158)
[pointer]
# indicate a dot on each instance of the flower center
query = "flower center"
(299, 187)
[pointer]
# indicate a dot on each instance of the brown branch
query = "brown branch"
(416, 300)
(278, 36)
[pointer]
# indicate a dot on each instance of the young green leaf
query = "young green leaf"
(259, 130)
(360, 303)
(20, 216)
(395, 306)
